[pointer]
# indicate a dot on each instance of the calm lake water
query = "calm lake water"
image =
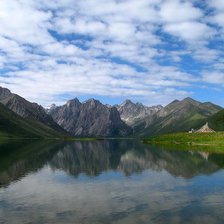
(103, 182)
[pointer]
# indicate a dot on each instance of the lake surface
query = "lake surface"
(103, 182)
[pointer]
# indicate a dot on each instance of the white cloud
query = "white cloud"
(174, 11)
(189, 31)
(121, 31)
(205, 54)
(60, 49)
(217, 17)
(103, 47)
(214, 77)
(217, 4)
(185, 21)
(24, 23)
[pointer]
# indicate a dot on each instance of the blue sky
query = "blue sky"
(152, 51)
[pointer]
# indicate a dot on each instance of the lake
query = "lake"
(109, 181)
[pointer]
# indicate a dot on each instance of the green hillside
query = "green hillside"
(14, 126)
(216, 121)
(186, 122)
(178, 116)
(205, 141)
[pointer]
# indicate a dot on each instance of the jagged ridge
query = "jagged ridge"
(90, 119)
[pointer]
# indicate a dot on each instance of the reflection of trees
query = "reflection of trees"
(94, 157)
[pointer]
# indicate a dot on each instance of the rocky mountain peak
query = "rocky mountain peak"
(178, 104)
(131, 112)
(190, 100)
(4, 93)
(175, 101)
(50, 108)
(73, 102)
(139, 104)
(52, 105)
(127, 101)
(92, 101)
(91, 118)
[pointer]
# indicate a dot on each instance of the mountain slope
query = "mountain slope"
(14, 126)
(216, 121)
(176, 116)
(132, 112)
(28, 110)
(89, 119)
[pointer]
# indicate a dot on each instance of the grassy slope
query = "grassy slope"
(207, 140)
(217, 121)
(185, 123)
(189, 138)
(13, 126)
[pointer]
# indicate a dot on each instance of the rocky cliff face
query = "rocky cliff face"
(26, 109)
(132, 112)
(90, 119)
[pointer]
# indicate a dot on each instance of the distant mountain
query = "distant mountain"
(94, 119)
(26, 109)
(176, 116)
(216, 121)
(132, 112)
(90, 119)
(14, 126)
(50, 108)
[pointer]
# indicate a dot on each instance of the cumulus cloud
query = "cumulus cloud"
(189, 31)
(217, 4)
(214, 77)
(173, 11)
(128, 48)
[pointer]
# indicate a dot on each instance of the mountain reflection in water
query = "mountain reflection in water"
(94, 157)
(126, 180)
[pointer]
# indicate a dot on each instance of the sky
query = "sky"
(151, 51)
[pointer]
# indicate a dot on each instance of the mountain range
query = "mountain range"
(19, 117)
(90, 118)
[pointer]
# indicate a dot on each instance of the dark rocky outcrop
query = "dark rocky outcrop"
(90, 119)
